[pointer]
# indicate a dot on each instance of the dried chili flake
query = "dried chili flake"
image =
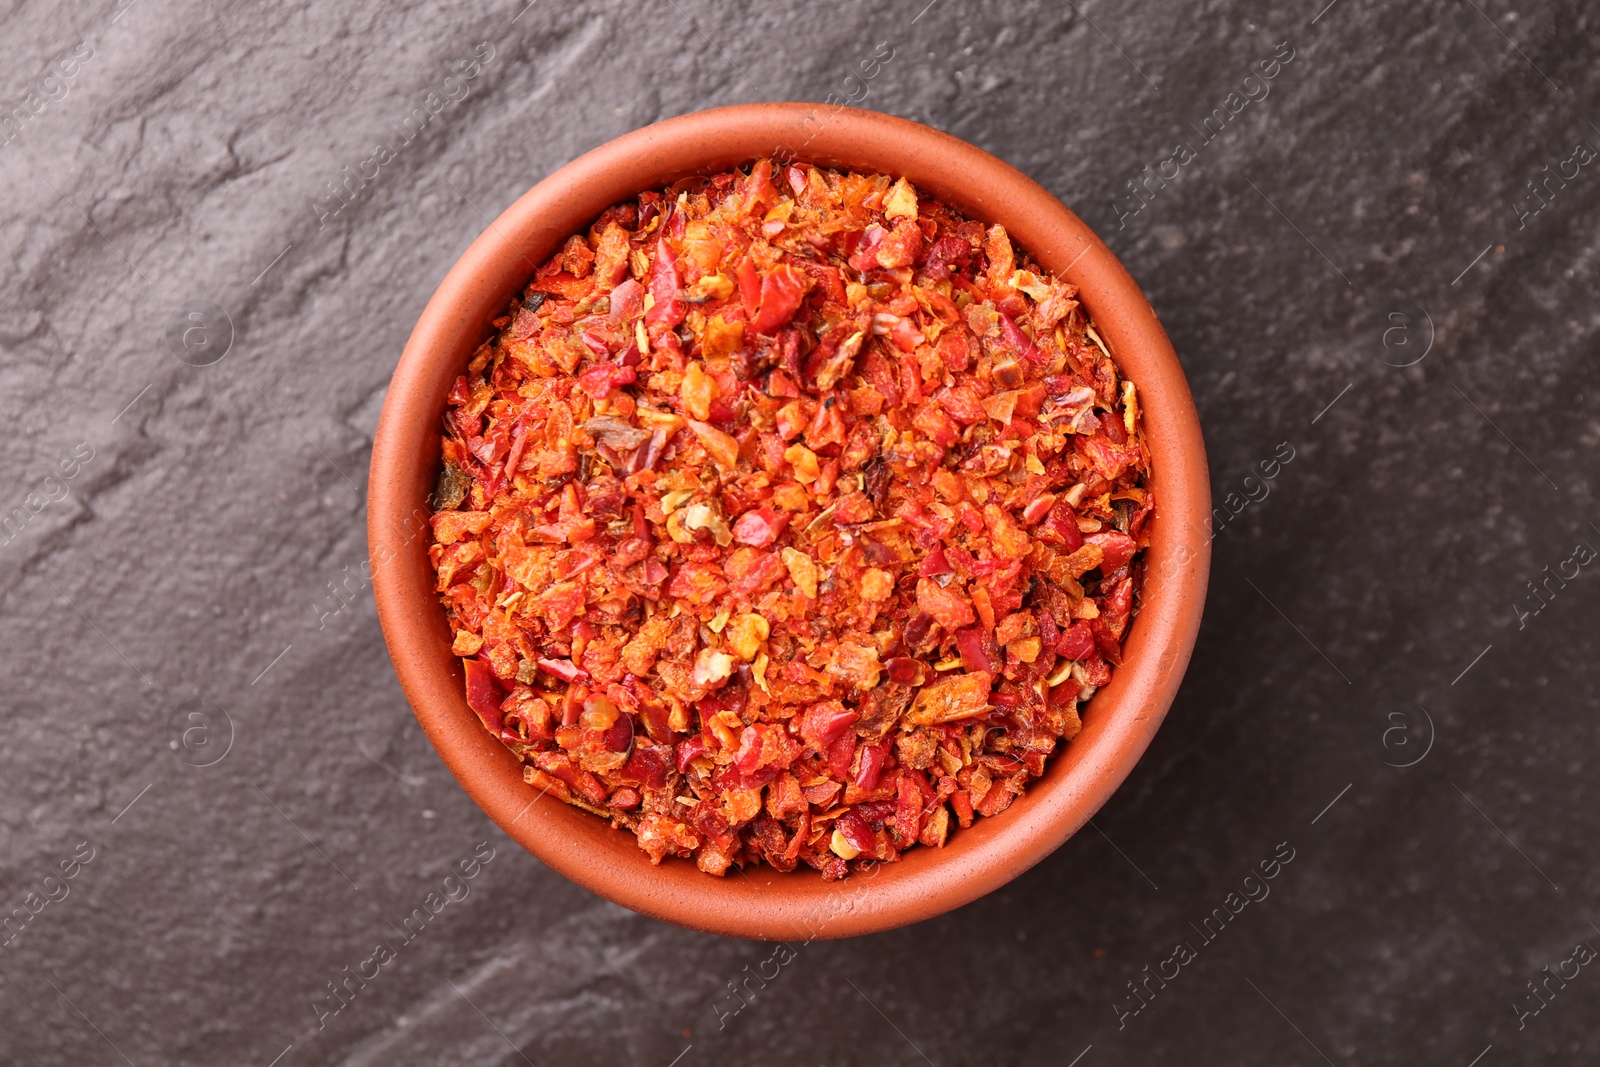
(790, 520)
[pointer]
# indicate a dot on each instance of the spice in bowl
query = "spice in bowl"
(789, 516)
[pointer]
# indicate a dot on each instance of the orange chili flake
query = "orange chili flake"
(801, 542)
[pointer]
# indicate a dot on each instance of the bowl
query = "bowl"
(761, 902)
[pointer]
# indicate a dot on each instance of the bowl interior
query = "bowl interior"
(761, 902)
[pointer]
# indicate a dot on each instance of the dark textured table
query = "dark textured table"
(1370, 231)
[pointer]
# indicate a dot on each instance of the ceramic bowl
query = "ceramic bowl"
(761, 902)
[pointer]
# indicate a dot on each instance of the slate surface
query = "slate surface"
(1370, 608)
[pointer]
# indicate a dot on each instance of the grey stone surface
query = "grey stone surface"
(186, 591)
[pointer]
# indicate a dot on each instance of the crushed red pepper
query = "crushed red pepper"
(789, 516)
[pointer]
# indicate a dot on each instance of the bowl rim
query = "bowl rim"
(762, 903)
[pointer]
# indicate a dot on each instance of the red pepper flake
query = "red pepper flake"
(790, 519)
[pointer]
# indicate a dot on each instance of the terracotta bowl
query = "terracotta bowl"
(762, 903)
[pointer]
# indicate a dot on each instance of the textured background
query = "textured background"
(192, 589)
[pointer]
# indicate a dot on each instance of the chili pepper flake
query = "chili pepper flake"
(790, 522)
